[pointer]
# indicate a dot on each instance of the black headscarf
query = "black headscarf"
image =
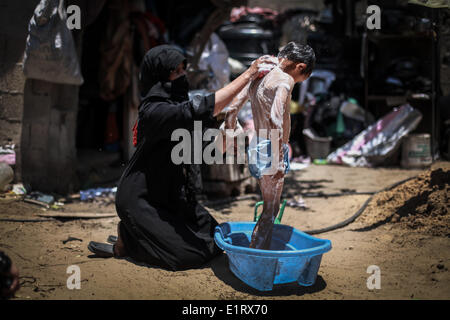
(156, 67)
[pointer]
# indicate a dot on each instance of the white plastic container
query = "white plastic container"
(416, 151)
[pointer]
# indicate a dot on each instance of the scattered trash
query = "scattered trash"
(37, 202)
(19, 189)
(91, 194)
(6, 175)
(336, 116)
(320, 161)
(41, 197)
(298, 202)
(71, 239)
(301, 159)
(75, 196)
(295, 166)
(57, 206)
(379, 141)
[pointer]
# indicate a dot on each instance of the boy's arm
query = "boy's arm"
(258, 69)
(267, 63)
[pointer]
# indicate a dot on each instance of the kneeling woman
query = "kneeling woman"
(161, 222)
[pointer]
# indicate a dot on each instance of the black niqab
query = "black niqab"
(156, 67)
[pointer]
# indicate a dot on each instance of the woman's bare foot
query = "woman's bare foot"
(119, 246)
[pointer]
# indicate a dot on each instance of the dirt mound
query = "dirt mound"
(421, 204)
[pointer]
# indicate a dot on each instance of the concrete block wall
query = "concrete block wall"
(48, 136)
(37, 116)
(14, 18)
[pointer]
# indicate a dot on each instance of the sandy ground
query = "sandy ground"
(413, 264)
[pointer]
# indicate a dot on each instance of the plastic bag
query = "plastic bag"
(50, 52)
(379, 141)
(215, 59)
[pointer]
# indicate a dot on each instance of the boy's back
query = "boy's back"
(270, 102)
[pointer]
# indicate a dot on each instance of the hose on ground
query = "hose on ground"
(359, 212)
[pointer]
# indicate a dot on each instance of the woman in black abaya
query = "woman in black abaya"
(161, 222)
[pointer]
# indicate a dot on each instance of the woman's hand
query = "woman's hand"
(261, 66)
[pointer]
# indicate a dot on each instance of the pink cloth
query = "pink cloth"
(9, 158)
(237, 13)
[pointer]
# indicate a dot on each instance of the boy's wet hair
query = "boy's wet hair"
(299, 53)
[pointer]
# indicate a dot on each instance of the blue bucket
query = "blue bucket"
(293, 255)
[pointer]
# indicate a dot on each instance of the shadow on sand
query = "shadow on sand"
(221, 270)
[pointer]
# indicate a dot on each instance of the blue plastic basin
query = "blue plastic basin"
(293, 255)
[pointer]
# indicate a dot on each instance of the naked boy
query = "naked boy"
(270, 103)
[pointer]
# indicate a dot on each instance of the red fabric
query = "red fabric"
(156, 21)
(150, 29)
(135, 133)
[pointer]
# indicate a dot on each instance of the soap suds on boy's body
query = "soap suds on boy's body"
(270, 101)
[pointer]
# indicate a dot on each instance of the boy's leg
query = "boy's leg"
(271, 188)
